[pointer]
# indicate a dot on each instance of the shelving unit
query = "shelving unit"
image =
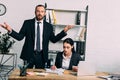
(68, 17)
(66, 10)
(7, 64)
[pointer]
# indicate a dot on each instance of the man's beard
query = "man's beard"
(39, 17)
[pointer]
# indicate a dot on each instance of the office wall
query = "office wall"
(102, 45)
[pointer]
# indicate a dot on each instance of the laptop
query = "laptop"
(86, 68)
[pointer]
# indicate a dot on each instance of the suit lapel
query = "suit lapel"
(61, 59)
(71, 60)
(33, 28)
(44, 30)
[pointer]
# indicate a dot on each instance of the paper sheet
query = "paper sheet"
(57, 71)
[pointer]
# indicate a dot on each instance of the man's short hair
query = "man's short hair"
(40, 5)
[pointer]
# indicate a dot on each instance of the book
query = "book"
(54, 17)
(81, 34)
(47, 16)
(78, 18)
(51, 18)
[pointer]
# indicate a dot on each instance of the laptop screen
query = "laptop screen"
(86, 68)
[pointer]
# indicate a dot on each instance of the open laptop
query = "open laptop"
(86, 68)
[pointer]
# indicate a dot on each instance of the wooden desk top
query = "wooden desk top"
(68, 75)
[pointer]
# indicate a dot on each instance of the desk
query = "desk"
(66, 76)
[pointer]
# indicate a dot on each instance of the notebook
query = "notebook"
(86, 68)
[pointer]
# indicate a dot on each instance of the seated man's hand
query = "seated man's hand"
(53, 67)
(75, 68)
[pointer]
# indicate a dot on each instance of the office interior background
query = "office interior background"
(103, 41)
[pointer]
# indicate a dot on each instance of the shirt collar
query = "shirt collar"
(64, 57)
(39, 21)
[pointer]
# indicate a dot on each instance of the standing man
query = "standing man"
(37, 33)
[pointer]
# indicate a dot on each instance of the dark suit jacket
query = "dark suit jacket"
(28, 32)
(75, 58)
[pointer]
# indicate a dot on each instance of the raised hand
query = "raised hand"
(68, 27)
(6, 26)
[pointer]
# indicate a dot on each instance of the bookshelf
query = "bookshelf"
(59, 18)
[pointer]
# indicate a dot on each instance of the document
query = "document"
(58, 71)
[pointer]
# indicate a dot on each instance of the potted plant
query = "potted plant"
(5, 43)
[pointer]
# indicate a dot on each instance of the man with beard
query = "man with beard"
(35, 49)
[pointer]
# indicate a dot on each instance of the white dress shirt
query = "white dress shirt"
(66, 61)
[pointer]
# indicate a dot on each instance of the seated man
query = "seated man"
(67, 59)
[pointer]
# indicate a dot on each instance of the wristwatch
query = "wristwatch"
(2, 9)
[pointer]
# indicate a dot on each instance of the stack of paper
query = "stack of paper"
(115, 76)
(57, 71)
(111, 76)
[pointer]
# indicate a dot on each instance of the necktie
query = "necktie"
(38, 38)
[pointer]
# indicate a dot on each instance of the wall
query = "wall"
(102, 34)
